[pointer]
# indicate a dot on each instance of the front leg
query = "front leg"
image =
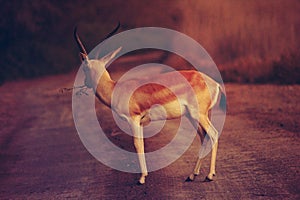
(139, 146)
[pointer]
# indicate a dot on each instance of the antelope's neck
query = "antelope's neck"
(105, 88)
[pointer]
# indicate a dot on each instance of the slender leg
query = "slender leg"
(195, 172)
(212, 171)
(212, 132)
(199, 160)
(139, 146)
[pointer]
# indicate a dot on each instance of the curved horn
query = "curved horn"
(113, 32)
(79, 43)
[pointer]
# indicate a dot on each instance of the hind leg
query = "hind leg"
(212, 132)
(196, 171)
(197, 167)
(212, 171)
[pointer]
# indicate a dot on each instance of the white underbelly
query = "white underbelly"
(170, 110)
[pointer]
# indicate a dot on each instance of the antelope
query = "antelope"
(206, 90)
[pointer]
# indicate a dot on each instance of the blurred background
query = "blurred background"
(250, 41)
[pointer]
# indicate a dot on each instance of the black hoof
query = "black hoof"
(207, 179)
(139, 183)
(189, 179)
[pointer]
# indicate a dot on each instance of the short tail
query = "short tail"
(222, 101)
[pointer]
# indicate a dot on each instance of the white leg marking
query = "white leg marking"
(139, 146)
(212, 171)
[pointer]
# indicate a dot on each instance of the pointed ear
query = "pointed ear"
(83, 56)
(111, 55)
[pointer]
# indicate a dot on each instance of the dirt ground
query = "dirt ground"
(42, 157)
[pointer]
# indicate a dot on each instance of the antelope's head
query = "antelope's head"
(94, 68)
